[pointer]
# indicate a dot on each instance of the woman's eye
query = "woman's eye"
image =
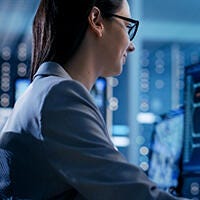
(128, 26)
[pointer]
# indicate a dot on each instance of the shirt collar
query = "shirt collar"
(52, 68)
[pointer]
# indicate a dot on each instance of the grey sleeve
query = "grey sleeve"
(79, 149)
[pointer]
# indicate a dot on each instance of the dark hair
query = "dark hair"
(59, 27)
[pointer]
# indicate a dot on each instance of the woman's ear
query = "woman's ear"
(96, 21)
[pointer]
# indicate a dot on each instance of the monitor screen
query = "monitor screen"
(166, 149)
(20, 86)
(99, 93)
(191, 151)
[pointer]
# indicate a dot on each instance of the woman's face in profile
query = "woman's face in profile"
(117, 44)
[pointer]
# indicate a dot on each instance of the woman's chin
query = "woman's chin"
(117, 70)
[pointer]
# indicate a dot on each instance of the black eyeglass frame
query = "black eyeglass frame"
(135, 24)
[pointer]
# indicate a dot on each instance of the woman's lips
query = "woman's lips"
(124, 59)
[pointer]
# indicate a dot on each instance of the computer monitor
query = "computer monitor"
(20, 86)
(166, 150)
(190, 178)
(99, 93)
(191, 160)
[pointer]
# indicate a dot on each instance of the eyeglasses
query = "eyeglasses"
(132, 27)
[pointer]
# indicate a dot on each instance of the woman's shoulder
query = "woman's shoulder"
(71, 88)
(68, 92)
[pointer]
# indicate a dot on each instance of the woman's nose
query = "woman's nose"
(131, 47)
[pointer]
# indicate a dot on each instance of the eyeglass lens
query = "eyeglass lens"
(132, 31)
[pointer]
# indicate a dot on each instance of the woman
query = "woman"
(55, 144)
